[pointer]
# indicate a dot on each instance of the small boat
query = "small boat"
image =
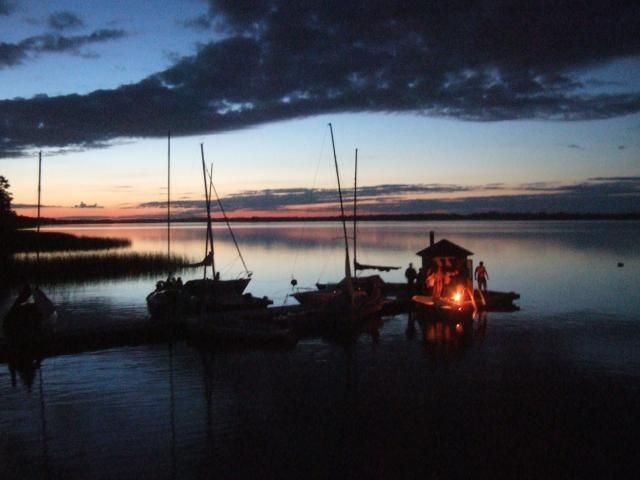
(172, 298)
(32, 313)
(444, 308)
(355, 296)
(164, 301)
(367, 297)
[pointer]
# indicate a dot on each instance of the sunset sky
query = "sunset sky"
(453, 108)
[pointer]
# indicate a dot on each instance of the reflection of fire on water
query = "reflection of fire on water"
(443, 332)
(447, 335)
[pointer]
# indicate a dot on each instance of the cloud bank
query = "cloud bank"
(12, 54)
(602, 195)
(484, 61)
(64, 20)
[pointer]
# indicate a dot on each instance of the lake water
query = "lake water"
(551, 390)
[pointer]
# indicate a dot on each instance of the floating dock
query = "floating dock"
(280, 326)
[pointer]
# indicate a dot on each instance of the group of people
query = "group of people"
(418, 280)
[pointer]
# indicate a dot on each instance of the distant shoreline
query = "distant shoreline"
(26, 222)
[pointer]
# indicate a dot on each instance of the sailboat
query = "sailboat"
(215, 286)
(32, 312)
(360, 282)
(204, 295)
(164, 301)
(360, 296)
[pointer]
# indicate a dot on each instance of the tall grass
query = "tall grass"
(24, 241)
(75, 268)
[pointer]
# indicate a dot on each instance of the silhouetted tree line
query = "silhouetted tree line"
(7, 216)
(7, 223)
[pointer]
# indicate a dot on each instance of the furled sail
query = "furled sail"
(379, 268)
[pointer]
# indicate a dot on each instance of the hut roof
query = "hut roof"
(444, 248)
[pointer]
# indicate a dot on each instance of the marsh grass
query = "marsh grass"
(66, 268)
(25, 241)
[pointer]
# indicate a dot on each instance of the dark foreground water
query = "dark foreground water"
(550, 391)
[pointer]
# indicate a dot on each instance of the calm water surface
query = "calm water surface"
(549, 391)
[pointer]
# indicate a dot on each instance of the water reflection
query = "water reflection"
(447, 338)
(368, 405)
(553, 265)
(23, 364)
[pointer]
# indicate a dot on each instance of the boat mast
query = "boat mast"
(39, 189)
(169, 196)
(355, 227)
(347, 264)
(38, 214)
(209, 230)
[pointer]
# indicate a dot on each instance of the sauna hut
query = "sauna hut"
(446, 269)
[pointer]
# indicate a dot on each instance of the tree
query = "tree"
(6, 214)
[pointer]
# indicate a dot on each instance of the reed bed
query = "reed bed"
(78, 268)
(25, 241)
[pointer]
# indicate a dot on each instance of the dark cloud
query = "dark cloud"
(84, 205)
(286, 197)
(12, 54)
(547, 203)
(32, 205)
(200, 23)
(538, 186)
(606, 190)
(6, 7)
(484, 61)
(597, 186)
(595, 195)
(64, 20)
(575, 147)
(633, 180)
(61, 43)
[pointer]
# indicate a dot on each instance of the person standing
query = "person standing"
(410, 274)
(482, 276)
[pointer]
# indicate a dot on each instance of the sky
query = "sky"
(455, 106)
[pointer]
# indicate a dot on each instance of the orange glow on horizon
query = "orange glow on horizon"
(115, 213)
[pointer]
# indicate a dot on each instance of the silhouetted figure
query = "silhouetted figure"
(410, 274)
(482, 276)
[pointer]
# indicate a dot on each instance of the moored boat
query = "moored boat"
(173, 298)
(30, 315)
(354, 296)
